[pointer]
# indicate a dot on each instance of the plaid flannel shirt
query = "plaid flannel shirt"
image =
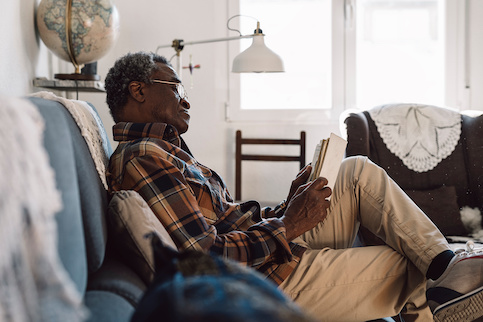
(193, 203)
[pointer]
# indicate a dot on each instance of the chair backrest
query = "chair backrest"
(455, 170)
(240, 156)
(82, 234)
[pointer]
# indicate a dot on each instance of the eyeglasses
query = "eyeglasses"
(179, 87)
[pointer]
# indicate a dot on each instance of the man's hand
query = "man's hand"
(307, 207)
(299, 180)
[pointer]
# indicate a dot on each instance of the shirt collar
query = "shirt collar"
(128, 131)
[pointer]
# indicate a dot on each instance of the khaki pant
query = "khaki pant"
(334, 282)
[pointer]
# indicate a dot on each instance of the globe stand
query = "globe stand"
(87, 73)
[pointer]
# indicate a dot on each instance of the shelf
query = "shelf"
(70, 85)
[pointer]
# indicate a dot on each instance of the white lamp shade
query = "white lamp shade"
(257, 58)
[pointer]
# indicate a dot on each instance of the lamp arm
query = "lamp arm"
(178, 44)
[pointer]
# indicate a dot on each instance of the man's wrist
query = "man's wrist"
(289, 228)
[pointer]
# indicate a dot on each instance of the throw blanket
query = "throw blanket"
(420, 135)
(33, 283)
(91, 128)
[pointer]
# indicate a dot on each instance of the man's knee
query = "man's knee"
(352, 162)
(356, 168)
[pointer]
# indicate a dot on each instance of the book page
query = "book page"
(328, 156)
(315, 161)
(323, 151)
(333, 157)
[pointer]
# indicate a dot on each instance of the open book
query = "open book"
(327, 158)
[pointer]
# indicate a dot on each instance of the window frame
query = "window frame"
(344, 69)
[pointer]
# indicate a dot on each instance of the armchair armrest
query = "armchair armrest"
(357, 131)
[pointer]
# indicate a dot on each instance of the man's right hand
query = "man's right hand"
(306, 208)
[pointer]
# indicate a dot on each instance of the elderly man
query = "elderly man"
(303, 244)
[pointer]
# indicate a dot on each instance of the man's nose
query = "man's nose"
(185, 103)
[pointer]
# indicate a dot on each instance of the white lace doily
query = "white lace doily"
(420, 135)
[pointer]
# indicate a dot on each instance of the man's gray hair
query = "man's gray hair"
(131, 67)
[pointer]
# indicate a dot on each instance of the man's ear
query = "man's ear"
(136, 89)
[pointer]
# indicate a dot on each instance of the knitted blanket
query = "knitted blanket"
(33, 283)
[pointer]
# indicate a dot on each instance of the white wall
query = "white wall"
(475, 67)
(147, 24)
(19, 47)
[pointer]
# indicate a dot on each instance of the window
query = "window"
(400, 52)
(341, 54)
(301, 30)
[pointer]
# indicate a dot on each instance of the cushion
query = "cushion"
(130, 221)
(441, 206)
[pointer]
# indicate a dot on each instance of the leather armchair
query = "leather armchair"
(455, 182)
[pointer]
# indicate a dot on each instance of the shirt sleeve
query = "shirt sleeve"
(278, 211)
(165, 189)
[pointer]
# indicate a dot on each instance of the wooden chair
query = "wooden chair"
(239, 156)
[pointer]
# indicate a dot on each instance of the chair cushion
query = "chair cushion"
(131, 220)
(441, 206)
(116, 277)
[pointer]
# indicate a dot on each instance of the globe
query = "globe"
(79, 31)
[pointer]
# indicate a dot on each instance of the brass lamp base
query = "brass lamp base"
(75, 76)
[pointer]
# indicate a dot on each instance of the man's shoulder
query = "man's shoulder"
(150, 148)
(145, 146)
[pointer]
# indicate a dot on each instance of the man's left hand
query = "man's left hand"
(299, 180)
